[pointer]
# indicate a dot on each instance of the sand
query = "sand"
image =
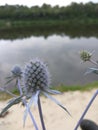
(55, 118)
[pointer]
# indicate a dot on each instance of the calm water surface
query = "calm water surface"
(60, 53)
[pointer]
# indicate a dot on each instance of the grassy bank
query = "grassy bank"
(86, 87)
(4, 96)
(8, 24)
(61, 88)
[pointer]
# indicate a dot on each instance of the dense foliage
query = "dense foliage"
(73, 11)
(73, 20)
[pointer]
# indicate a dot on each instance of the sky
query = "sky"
(30, 3)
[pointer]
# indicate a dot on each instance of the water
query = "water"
(60, 52)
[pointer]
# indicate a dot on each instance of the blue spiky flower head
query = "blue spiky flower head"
(36, 76)
(16, 71)
(36, 80)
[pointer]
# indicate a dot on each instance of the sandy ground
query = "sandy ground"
(55, 118)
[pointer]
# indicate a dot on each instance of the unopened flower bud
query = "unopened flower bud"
(16, 71)
(85, 55)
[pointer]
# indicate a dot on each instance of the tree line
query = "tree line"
(47, 12)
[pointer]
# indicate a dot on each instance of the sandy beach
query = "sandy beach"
(55, 118)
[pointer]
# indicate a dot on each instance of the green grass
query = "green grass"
(61, 88)
(87, 87)
(4, 96)
(8, 24)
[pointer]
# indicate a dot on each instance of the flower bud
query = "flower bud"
(16, 71)
(85, 55)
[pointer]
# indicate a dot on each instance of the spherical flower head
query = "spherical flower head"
(85, 55)
(36, 76)
(16, 71)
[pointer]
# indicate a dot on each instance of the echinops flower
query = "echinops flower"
(16, 73)
(86, 56)
(36, 77)
(35, 80)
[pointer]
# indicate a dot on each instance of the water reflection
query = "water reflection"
(60, 52)
(46, 31)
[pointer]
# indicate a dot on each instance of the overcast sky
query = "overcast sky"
(40, 2)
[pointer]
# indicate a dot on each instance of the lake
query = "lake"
(60, 52)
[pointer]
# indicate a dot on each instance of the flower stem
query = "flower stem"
(40, 113)
(19, 87)
(8, 92)
(35, 125)
(25, 103)
(94, 62)
(85, 111)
